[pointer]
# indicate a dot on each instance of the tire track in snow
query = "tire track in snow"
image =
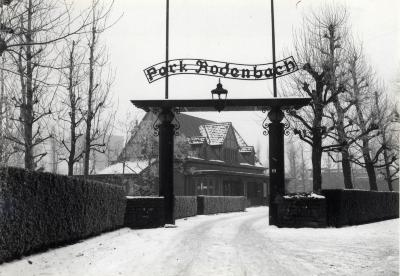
(221, 246)
(187, 248)
(261, 255)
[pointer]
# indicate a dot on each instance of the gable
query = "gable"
(230, 139)
(215, 133)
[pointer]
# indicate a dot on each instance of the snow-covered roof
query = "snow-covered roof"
(220, 161)
(195, 157)
(239, 139)
(312, 195)
(258, 164)
(131, 167)
(246, 149)
(215, 133)
(196, 140)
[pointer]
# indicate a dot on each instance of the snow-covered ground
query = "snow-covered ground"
(225, 244)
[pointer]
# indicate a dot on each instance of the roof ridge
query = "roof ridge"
(221, 123)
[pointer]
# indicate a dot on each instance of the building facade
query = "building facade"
(213, 159)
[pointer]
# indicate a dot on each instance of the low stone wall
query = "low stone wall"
(144, 212)
(302, 212)
(352, 207)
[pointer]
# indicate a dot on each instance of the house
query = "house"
(216, 159)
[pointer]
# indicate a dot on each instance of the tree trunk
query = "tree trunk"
(303, 169)
(28, 105)
(316, 164)
(346, 167)
(387, 169)
(2, 113)
(316, 156)
(89, 105)
(72, 99)
(342, 139)
(340, 111)
(369, 166)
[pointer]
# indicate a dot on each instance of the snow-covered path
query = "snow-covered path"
(225, 244)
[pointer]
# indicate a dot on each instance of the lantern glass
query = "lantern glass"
(219, 94)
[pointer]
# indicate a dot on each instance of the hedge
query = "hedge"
(144, 212)
(352, 207)
(185, 206)
(41, 210)
(220, 204)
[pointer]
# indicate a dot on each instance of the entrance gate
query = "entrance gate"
(166, 109)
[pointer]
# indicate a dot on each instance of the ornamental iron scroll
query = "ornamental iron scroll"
(157, 123)
(266, 122)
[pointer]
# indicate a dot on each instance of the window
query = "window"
(230, 155)
(210, 187)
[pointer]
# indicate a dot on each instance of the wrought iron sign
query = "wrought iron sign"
(220, 69)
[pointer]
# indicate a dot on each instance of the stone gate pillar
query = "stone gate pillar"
(166, 163)
(276, 162)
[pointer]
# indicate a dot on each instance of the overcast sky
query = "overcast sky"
(234, 31)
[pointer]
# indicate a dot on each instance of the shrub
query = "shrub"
(185, 206)
(220, 204)
(351, 207)
(40, 210)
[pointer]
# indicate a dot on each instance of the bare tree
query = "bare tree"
(7, 147)
(29, 37)
(52, 21)
(334, 55)
(71, 113)
(387, 138)
(97, 96)
(362, 86)
(87, 100)
(318, 46)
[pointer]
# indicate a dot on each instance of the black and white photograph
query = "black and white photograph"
(192, 138)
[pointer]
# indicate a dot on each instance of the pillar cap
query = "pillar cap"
(166, 115)
(275, 115)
